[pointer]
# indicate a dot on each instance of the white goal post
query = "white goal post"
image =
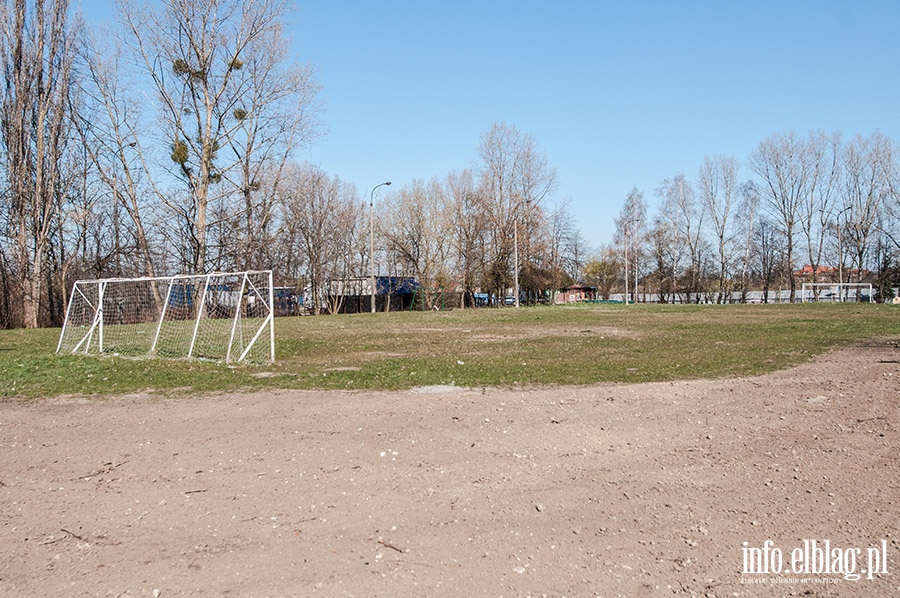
(220, 316)
(836, 292)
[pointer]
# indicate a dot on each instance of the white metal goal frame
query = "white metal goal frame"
(220, 316)
(837, 291)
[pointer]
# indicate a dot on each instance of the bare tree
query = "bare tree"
(322, 222)
(718, 188)
(36, 55)
(769, 254)
(891, 218)
(747, 216)
(629, 228)
(823, 153)
(110, 133)
(686, 217)
(867, 164)
(550, 251)
(217, 68)
(514, 179)
(278, 112)
(415, 226)
(667, 238)
(781, 161)
(664, 247)
(468, 230)
(564, 249)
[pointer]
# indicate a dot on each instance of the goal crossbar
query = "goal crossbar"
(222, 316)
(838, 292)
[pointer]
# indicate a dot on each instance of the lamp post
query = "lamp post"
(372, 239)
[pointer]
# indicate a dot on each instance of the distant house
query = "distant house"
(354, 295)
(577, 293)
(831, 274)
(807, 272)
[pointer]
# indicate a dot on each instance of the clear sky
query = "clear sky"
(617, 94)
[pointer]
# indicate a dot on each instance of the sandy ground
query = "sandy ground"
(611, 490)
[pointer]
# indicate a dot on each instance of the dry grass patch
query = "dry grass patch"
(474, 348)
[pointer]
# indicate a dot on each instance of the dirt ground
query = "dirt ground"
(609, 490)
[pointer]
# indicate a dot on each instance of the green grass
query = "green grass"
(485, 347)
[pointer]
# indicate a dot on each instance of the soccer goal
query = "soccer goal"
(220, 317)
(836, 292)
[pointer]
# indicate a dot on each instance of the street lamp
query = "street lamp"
(372, 238)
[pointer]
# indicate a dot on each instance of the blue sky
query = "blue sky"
(617, 94)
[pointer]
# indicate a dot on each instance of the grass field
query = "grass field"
(486, 347)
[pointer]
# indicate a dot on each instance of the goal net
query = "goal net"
(836, 292)
(221, 317)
